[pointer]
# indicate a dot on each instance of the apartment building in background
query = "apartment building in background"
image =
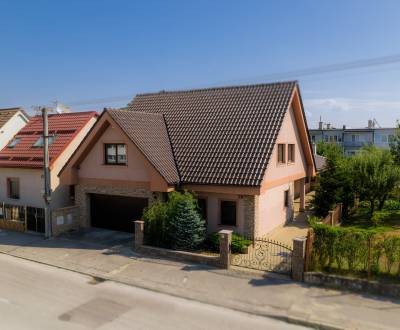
(353, 139)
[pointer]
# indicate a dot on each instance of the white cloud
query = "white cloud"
(353, 111)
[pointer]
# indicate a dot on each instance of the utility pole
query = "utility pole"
(47, 184)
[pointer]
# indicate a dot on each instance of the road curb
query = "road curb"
(284, 318)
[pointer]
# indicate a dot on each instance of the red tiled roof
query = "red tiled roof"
(63, 126)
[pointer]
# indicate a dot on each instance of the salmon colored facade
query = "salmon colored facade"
(258, 209)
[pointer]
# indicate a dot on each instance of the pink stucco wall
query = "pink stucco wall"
(280, 177)
(272, 211)
(289, 134)
(213, 211)
(93, 165)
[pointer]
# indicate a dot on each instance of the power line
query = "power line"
(286, 75)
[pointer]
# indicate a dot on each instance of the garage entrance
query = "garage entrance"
(116, 212)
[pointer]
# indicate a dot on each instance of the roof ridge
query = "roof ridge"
(130, 111)
(218, 88)
(10, 109)
(172, 149)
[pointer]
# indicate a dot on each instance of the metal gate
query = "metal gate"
(35, 219)
(266, 255)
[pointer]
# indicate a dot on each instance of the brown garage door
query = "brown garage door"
(116, 212)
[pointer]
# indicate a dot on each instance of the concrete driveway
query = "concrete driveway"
(100, 236)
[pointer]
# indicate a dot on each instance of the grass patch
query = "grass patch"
(389, 220)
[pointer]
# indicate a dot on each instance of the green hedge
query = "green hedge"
(239, 243)
(346, 249)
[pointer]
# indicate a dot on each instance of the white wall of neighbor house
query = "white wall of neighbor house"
(12, 127)
(30, 186)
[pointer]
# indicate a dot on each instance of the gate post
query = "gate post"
(298, 258)
(139, 233)
(225, 239)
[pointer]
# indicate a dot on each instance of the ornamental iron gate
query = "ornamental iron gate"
(266, 255)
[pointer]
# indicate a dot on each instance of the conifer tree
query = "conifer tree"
(187, 228)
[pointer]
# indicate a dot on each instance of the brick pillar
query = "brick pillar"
(139, 229)
(298, 258)
(302, 195)
(225, 240)
(331, 216)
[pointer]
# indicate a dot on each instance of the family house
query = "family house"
(244, 151)
(21, 160)
(11, 121)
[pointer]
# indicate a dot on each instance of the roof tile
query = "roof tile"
(220, 135)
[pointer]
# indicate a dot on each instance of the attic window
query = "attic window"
(13, 143)
(40, 142)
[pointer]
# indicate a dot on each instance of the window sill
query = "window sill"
(119, 165)
(227, 226)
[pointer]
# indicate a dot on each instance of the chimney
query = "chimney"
(344, 127)
(320, 125)
(371, 123)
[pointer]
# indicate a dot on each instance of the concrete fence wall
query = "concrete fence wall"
(334, 217)
(65, 219)
(223, 260)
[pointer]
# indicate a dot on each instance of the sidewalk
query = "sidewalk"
(271, 296)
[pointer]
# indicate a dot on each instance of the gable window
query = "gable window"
(291, 153)
(115, 154)
(202, 202)
(13, 188)
(13, 143)
(281, 153)
(286, 198)
(40, 142)
(228, 213)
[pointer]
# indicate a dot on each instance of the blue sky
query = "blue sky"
(80, 51)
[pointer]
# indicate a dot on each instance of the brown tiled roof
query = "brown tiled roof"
(149, 133)
(221, 135)
(6, 114)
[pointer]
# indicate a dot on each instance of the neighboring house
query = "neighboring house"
(353, 139)
(11, 121)
(241, 149)
(21, 160)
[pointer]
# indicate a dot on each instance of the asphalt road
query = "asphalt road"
(36, 296)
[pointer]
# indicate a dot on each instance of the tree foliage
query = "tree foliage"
(329, 149)
(375, 175)
(187, 228)
(174, 223)
(395, 145)
(334, 184)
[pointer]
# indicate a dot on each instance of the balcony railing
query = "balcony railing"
(356, 144)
